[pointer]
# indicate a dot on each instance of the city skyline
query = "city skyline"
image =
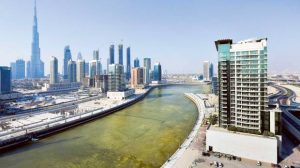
(146, 40)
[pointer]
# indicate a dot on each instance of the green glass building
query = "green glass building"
(242, 70)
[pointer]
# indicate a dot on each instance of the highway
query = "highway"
(285, 98)
(49, 109)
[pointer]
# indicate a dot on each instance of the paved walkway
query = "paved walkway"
(193, 151)
(187, 152)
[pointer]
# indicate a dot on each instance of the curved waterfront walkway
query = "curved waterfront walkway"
(183, 157)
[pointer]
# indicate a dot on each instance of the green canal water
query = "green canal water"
(145, 134)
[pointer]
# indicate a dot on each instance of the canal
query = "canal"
(145, 134)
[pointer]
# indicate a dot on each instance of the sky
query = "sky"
(178, 34)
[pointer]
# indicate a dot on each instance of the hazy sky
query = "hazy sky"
(178, 33)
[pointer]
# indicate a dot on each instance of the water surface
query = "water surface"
(145, 134)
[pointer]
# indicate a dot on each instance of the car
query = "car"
(258, 163)
(205, 154)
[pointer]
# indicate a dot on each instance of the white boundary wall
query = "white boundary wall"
(247, 146)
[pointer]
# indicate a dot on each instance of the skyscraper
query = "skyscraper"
(147, 69)
(120, 47)
(116, 78)
(157, 73)
(72, 71)
(67, 58)
(136, 62)
(95, 68)
(53, 70)
(5, 80)
(13, 70)
(36, 65)
(20, 69)
(112, 54)
(128, 64)
(206, 70)
(80, 70)
(28, 70)
(211, 71)
(243, 84)
(147, 63)
(87, 69)
(107, 65)
(96, 55)
(137, 79)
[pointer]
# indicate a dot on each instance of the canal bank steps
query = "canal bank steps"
(23, 135)
(173, 161)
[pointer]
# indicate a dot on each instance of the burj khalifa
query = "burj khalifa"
(36, 65)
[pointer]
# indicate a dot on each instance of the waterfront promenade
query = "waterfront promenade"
(187, 153)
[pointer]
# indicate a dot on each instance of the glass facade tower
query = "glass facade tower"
(53, 70)
(111, 54)
(120, 47)
(157, 72)
(5, 80)
(128, 64)
(36, 65)
(67, 58)
(242, 74)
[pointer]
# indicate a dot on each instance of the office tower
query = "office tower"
(96, 55)
(67, 58)
(111, 54)
(80, 70)
(28, 69)
(206, 70)
(120, 47)
(128, 64)
(72, 71)
(136, 63)
(53, 70)
(147, 63)
(87, 69)
(137, 79)
(243, 84)
(20, 69)
(5, 80)
(211, 71)
(147, 68)
(157, 72)
(36, 65)
(151, 74)
(116, 78)
(79, 56)
(146, 75)
(95, 68)
(101, 81)
(13, 70)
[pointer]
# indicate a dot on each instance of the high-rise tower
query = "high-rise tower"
(36, 65)
(120, 54)
(206, 70)
(128, 65)
(136, 62)
(111, 54)
(53, 70)
(67, 58)
(147, 68)
(243, 97)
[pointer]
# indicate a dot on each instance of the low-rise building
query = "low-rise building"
(120, 95)
(61, 87)
(250, 146)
